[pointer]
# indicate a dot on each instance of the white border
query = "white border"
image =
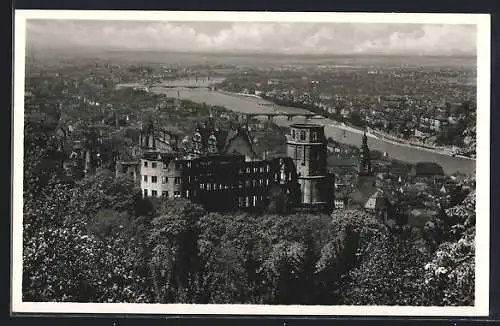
(481, 308)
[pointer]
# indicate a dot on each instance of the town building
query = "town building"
(367, 193)
(221, 171)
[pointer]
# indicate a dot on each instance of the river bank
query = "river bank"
(343, 134)
(371, 133)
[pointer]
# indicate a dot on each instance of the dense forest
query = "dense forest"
(98, 240)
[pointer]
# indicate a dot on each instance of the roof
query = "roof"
(222, 136)
(337, 161)
(427, 169)
(158, 156)
(363, 192)
(376, 201)
(246, 137)
(306, 125)
(342, 193)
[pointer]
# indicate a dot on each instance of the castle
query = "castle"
(220, 170)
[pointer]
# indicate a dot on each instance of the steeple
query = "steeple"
(365, 165)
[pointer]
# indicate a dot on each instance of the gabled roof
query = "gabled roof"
(206, 132)
(377, 201)
(240, 132)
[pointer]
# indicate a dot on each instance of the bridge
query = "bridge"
(186, 86)
(288, 115)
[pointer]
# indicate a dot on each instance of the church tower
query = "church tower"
(365, 164)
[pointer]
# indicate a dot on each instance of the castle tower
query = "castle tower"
(365, 164)
(307, 147)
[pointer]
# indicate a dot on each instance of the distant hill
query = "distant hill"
(261, 59)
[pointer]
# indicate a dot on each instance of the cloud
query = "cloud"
(429, 39)
(290, 38)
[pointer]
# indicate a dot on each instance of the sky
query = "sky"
(246, 37)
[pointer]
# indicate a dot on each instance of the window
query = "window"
(164, 179)
(302, 135)
(177, 165)
(164, 194)
(188, 164)
(153, 165)
(314, 136)
(154, 179)
(261, 169)
(293, 133)
(165, 165)
(132, 173)
(254, 201)
(145, 164)
(145, 178)
(268, 168)
(177, 181)
(267, 182)
(177, 194)
(154, 193)
(145, 192)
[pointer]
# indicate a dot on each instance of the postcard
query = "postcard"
(251, 163)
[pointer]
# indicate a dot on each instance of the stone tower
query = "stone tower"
(365, 164)
(306, 145)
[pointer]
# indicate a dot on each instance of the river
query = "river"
(349, 136)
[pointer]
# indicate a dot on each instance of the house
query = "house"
(378, 204)
(345, 112)
(420, 216)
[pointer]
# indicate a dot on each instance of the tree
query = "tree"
(284, 269)
(174, 255)
(278, 201)
(66, 264)
(229, 259)
(390, 272)
(450, 275)
(105, 191)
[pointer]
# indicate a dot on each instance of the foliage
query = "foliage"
(450, 275)
(174, 253)
(389, 272)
